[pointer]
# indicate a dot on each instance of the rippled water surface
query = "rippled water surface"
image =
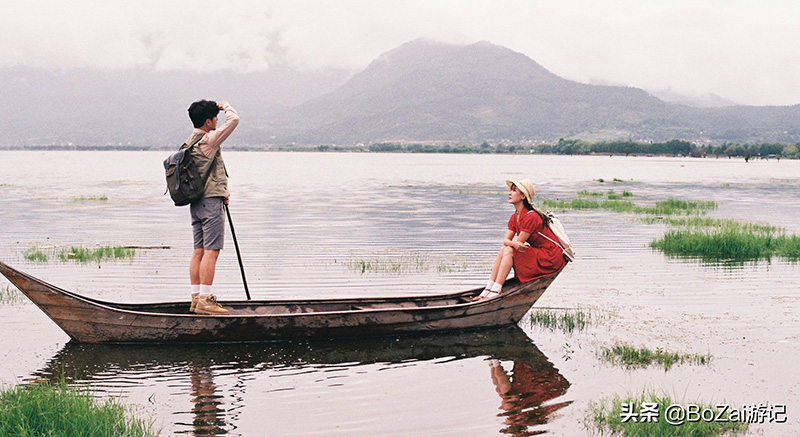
(336, 225)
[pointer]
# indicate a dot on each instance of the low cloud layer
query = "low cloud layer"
(741, 50)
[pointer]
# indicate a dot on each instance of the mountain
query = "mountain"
(425, 91)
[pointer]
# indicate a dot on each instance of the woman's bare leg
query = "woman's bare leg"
(504, 267)
(500, 270)
(496, 266)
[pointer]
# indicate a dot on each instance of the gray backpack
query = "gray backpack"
(184, 182)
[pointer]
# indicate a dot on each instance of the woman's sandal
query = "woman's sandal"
(486, 294)
(481, 296)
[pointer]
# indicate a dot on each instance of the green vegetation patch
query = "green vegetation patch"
(646, 415)
(34, 254)
(610, 194)
(90, 199)
(393, 262)
(663, 207)
(55, 410)
(11, 296)
(720, 240)
(97, 254)
(641, 357)
(80, 254)
(693, 236)
(563, 320)
(413, 262)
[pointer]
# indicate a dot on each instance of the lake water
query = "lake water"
(308, 224)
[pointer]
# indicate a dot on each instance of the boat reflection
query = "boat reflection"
(216, 407)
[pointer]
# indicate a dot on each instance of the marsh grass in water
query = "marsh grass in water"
(97, 254)
(622, 416)
(641, 357)
(692, 236)
(90, 199)
(707, 222)
(80, 254)
(34, 254)
(11, 296)
(405, 262)
(611, 194)
(615, 204)
(563, 320)
(53, 410)
(727, 240)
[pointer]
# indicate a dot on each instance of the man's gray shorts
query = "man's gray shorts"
(208, 223)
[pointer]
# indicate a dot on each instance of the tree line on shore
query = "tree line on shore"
(562, 147)
(581, 147)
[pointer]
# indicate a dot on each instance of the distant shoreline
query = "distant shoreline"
(673, 148)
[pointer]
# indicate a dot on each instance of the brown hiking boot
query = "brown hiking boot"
(195, 297)
(208, 305)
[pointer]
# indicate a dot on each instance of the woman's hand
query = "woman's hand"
(521, 243)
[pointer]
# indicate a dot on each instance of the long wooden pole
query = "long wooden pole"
(238, 255)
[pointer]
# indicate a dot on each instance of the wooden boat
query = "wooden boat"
(93, 321)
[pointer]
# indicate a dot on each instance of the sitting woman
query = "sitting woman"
(533, 253)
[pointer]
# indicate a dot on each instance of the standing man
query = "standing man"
(208, 213)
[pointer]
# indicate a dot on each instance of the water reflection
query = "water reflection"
(523, 394)
(207, 411)
(201, 375)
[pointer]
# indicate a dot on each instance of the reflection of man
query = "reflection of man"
(207, 414)
(524, 391)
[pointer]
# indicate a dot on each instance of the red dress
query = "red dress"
(543, 257)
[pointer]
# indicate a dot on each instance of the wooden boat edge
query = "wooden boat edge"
(5, 269)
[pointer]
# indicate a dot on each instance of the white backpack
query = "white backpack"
(558, 230)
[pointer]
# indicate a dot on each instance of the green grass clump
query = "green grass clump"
(564, 320)
(616, 204)
(675, 206)
(729, 241)
(57, 410)
(97, 254)
(34, 254)
(613, 414)
(11, 296)
(611, 194)
(80, 254)
(402, 261)
(633, 357)
(411, 262)
(90, 199)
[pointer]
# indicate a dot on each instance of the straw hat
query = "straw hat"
(525, 187)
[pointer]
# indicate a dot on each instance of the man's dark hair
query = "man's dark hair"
(202, 110)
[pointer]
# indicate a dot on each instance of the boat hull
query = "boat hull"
(93, 321)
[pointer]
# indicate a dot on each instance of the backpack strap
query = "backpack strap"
(194, 143)
(213, 165)
(554, 241)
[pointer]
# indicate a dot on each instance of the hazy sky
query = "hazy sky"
(746, 51)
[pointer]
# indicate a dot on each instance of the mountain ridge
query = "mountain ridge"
(421, 91)
(425, 91)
